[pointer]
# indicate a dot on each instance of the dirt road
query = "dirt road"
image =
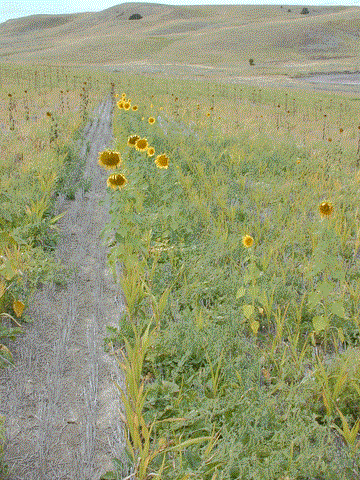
(59, 401)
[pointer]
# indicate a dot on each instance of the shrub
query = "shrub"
(304, 11)
(135, 16)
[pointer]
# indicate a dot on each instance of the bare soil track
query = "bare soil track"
(60, 402)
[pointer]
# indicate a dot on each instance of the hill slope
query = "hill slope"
(221, 36)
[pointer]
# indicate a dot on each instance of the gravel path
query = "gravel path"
(60, 402)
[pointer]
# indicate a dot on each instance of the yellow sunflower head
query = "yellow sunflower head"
(117, 180)
(326, 209)
(141, 145)
(127, 105)
(162, 161)
(132, 140)
(248, 241)
(134, 107)
(109, 159)
(151, 120)
(120, 104)
(150, 151)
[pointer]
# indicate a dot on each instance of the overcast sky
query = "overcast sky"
(22, 8)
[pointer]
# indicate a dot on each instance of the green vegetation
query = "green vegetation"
(240, 336)
(240, 283)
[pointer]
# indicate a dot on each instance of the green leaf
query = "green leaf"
(120, 237)
(313, 299)
(253, 290)
(58, 217)
(7, 270)
(320, 323)
(337, 308)
(254, 326)
(315, 269)
(109, 476)
(325, 288)
(248, 311)
(254, 271)
(240, 293)
(338, 273)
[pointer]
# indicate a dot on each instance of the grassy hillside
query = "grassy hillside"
(279, 38)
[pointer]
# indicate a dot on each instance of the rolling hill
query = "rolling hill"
(278, 38)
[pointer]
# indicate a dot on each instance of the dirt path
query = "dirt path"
(60, 404)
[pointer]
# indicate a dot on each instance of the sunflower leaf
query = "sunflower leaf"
(313, 299)
(320, 323)
(337, 308)
(248, 311)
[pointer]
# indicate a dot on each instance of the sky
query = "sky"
(23, 8)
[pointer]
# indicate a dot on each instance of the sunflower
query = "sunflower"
(248, 241)
(132, 140)
(116, 181)
(162, 161)
(127, 105)
(151, 120)
(326, 209)
(120, 104)
(141, 145)
(134, 108)
(150, 151)
(109, 159)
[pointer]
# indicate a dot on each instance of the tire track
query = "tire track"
(59, 400)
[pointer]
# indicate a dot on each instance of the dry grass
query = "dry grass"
(279, 40)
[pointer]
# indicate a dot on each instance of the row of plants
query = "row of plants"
(232, 306)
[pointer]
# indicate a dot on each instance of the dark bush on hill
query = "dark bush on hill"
(135, 16)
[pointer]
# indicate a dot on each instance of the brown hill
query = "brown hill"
(276, 37)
